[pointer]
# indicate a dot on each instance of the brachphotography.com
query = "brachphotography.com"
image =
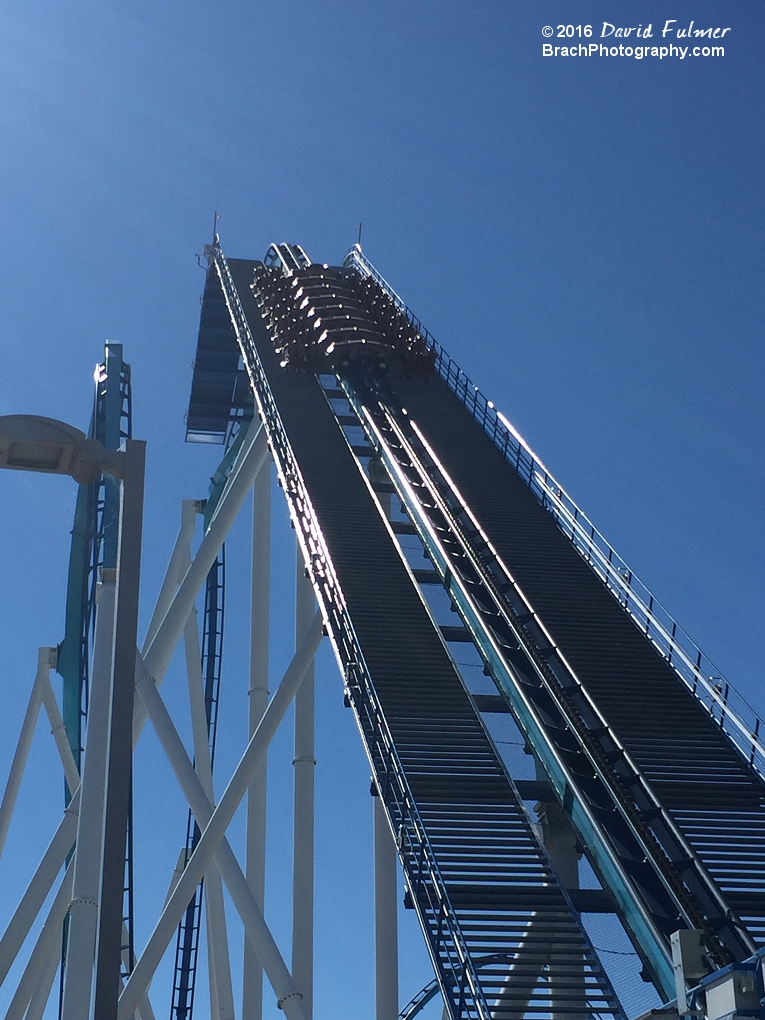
(671, 52)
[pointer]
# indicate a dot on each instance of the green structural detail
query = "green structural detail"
(77, 595)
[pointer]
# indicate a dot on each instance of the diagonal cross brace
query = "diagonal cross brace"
(212, 843)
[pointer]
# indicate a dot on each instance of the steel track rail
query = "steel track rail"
(450, 954)
(717, 696)
(698, 901)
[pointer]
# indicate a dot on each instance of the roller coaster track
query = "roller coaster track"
(667, 801)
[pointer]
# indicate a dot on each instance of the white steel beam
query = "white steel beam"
(255, 853)
(58, 729)
(180, 559)
(38, 889)
(166, 627)
(167, 633)
(304, 764)
(214, 826)
(221, 989)
(159, 652)
(24, 743)
(386, 917)
(48, 946)
(42, 992)
(83, 914)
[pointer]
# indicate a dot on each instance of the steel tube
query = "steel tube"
(255, 854)
(386, 917)
(176, 568)
(160, 651)
(119, 775)
(303, 831)
(213, 835)
(42, 992)
(24, 743)
(47, 946)
(221, 989)
(83, 916)
(58, 729)
(38, 889)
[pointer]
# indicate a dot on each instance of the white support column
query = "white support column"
(83, 914)
(255, 860)
(221, 989)
(167, 631)
(24, 743)
(158, 653)
(213, 843)
(386, 917)
(213, 988)
(385, 868)
(304, 763)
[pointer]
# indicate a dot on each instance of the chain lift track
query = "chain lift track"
(475, 872)
(700, 755)
(430, 534)
(670, 814)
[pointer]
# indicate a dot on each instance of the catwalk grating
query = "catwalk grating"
(466, 844)
(694, 770)
(670, 813)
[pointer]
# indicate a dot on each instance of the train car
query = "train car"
(324, 317)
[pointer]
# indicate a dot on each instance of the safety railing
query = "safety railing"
(729, 709)
(449, 952)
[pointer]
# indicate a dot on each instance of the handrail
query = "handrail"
(717, 696)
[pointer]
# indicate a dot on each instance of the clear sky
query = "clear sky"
(583, 234)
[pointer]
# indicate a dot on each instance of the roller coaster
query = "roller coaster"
(647, 802)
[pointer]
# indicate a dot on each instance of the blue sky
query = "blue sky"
(583, 235)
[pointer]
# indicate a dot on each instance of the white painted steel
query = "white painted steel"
(213, 837)
(119, 767)
(48, 946)
(45, 984)
(38, 889)
(24, 743)
(58, 729)
(212, 988)
(177, 902)
(304, 806)
(145, 1010)
(159, 652)
(166, 635)
(222, 1005)
(221, 989)
(252, 456)
(83, 914)
(180, 559)
(386, 917)
(255, 859)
